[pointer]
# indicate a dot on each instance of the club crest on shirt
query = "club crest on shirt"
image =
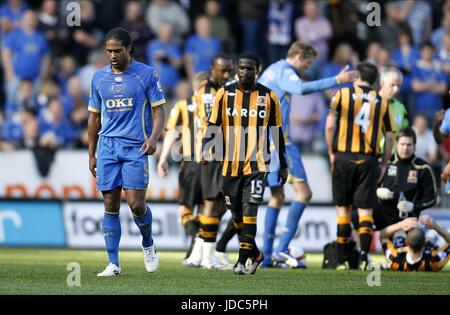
(118, 79)
(261, 101)
(117, 88)
(412, 177)
(158, 86)
(392, 170)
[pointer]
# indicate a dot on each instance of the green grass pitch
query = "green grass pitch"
(43, 271)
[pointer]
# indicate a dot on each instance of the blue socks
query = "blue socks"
(112, 233)
(144, 223)
(270, 223)
(294, 214)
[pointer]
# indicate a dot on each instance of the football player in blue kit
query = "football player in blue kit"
(125, 122)
(283, 77)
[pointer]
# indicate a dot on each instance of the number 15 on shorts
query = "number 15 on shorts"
(256, 188)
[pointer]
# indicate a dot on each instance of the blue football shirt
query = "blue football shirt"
(125, 100)
(282, 78)
(28, 50)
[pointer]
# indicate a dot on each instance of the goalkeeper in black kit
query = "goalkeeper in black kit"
(408, 186)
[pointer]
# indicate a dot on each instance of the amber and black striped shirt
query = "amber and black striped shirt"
(246, 120)
(205, 100)
(432, 261)
(363, 117)
(184, 116)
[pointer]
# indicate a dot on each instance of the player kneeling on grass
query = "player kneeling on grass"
(245, 113)
(416, 255)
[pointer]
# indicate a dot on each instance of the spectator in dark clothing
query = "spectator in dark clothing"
(252, 16)
(87, 36)
(55, 31)
(135, 24)
(111, 13)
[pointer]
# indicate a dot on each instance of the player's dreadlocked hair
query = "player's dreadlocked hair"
(121, 35)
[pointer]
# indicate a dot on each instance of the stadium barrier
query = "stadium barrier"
(77, 224)
(69, 178)
(32, 223)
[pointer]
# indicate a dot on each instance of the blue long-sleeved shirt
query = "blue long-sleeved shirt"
(282, 78)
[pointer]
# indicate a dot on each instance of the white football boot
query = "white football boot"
(195, 258)
(151, 260)
(222, 261)
(110, 271)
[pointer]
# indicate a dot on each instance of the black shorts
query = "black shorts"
(383, 216)
(211, 180)
(189, 181)
(354, 180)
(243, 189)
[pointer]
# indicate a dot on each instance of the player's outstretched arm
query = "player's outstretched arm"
(94, 125)
(291, 82)
(150, 145)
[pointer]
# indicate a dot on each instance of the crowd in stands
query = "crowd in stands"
(47, 65)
